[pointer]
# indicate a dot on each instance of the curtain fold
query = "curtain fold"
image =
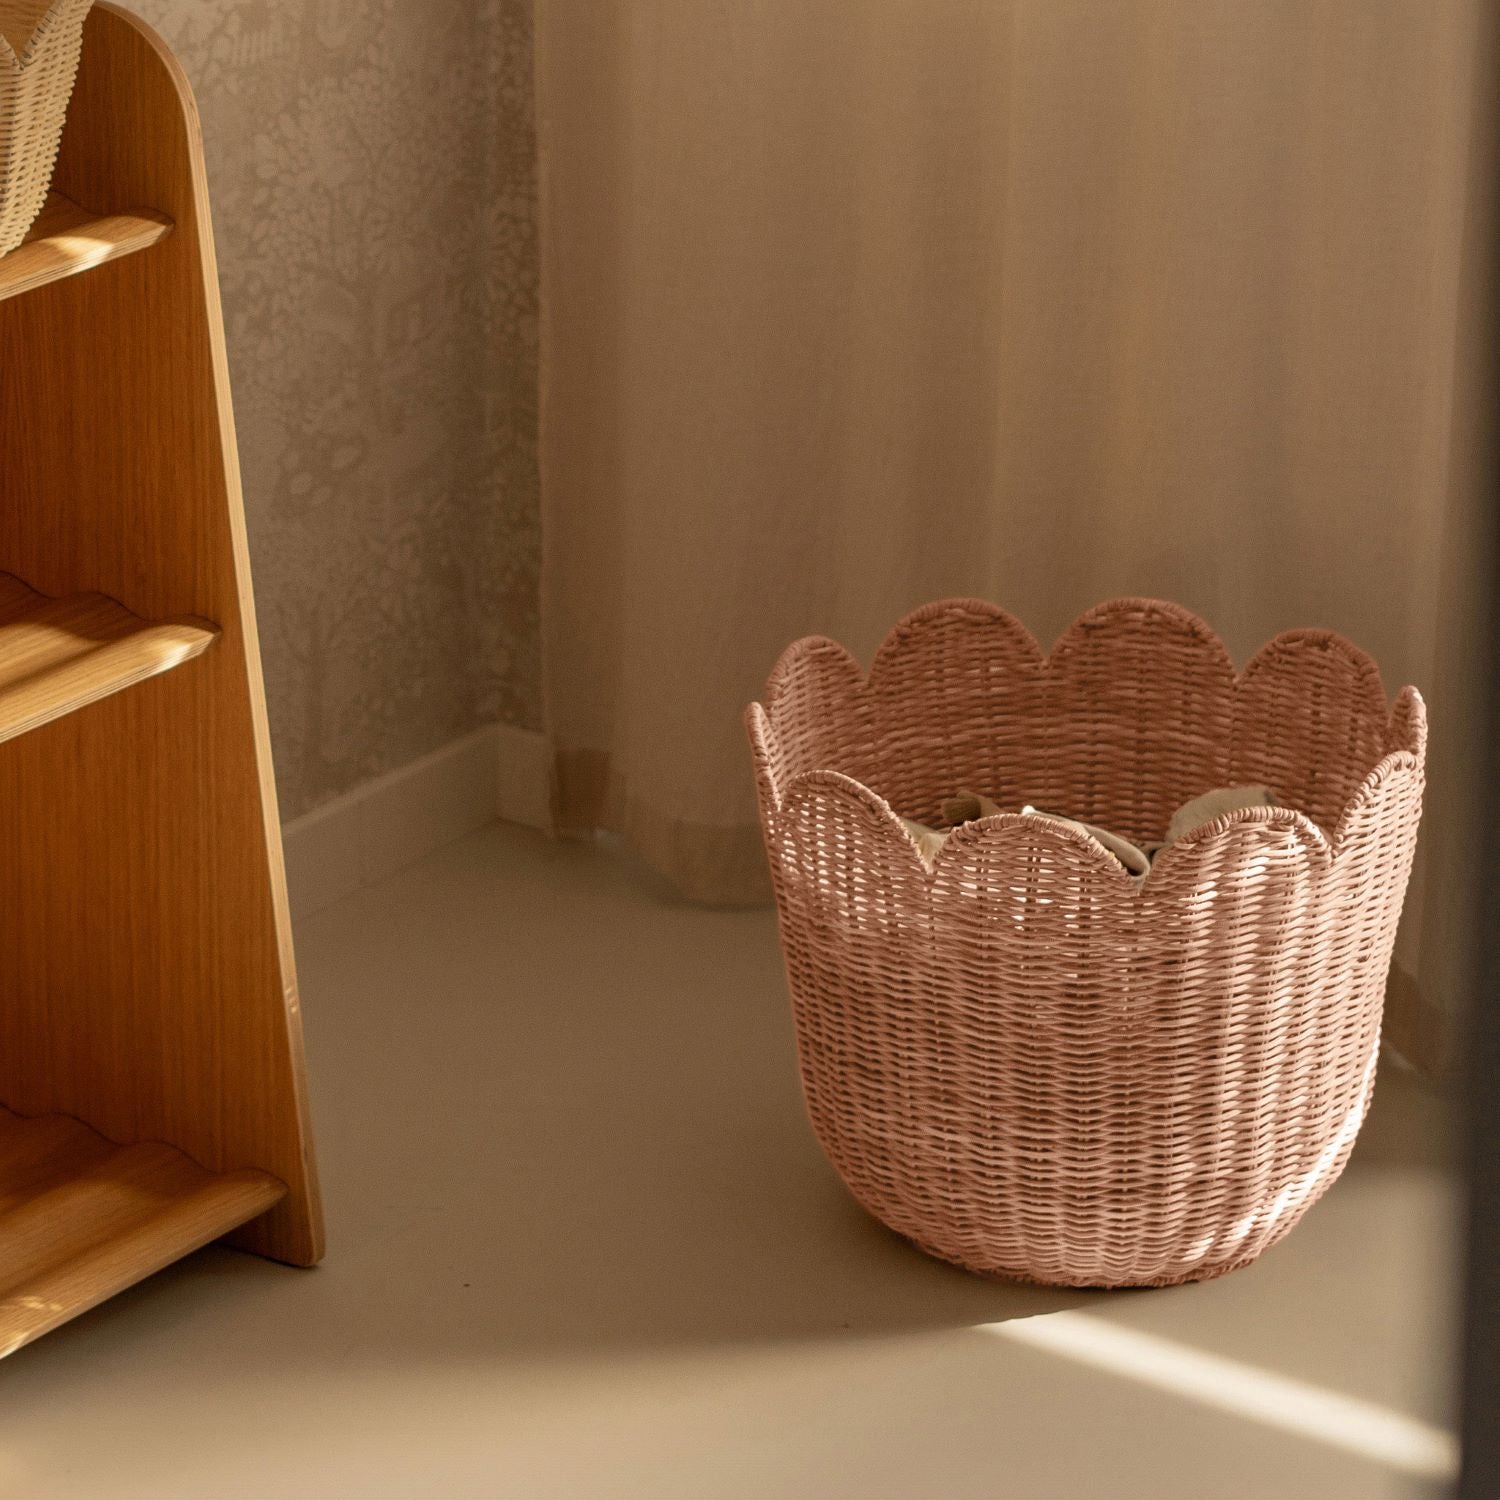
(853, 304)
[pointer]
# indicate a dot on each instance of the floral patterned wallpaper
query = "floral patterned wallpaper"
(372, 164)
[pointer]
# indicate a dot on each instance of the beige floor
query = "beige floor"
(582, 1245)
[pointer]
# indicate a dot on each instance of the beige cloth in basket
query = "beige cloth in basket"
(967, 806)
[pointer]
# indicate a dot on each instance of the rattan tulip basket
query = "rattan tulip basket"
(40, 44)
(1021, 1058)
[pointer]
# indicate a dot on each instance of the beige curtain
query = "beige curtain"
(852, 304)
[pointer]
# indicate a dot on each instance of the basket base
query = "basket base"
(1084, 1284)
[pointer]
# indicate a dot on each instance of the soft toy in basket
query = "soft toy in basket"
(1020, 1050)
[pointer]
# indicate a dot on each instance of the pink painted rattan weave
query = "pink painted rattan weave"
(1021, 1060)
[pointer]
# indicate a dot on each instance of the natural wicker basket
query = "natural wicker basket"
(40, 43)
(1020, 1058)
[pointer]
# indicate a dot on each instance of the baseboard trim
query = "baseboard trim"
(524, 762)
(379, 828)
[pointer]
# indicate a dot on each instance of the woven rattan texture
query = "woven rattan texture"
(40, 43)
(1019, 1058)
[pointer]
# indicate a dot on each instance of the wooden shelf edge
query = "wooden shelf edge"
(82, 1219)
(67, 240)
(60, 655)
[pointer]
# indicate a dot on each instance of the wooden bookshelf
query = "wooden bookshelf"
(82, 1218)
(67, 239)
(60, 655)
(152, 1091)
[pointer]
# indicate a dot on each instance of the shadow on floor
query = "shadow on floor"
(559, 1115)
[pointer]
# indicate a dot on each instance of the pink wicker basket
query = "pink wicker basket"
(1020, 1058)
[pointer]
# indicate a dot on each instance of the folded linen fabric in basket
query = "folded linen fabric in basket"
(964, 808)
(1135, 859)
(1215, 804)
(968, 806)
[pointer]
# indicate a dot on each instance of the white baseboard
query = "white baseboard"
(524, 790)
(387, 824)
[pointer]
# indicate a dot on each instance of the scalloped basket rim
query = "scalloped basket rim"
(1408, 713)
(1033, 834)
(898, 635)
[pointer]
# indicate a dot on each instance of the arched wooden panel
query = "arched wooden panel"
(146, 972)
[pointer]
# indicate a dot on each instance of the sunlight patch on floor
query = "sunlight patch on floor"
(1294, 1406)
